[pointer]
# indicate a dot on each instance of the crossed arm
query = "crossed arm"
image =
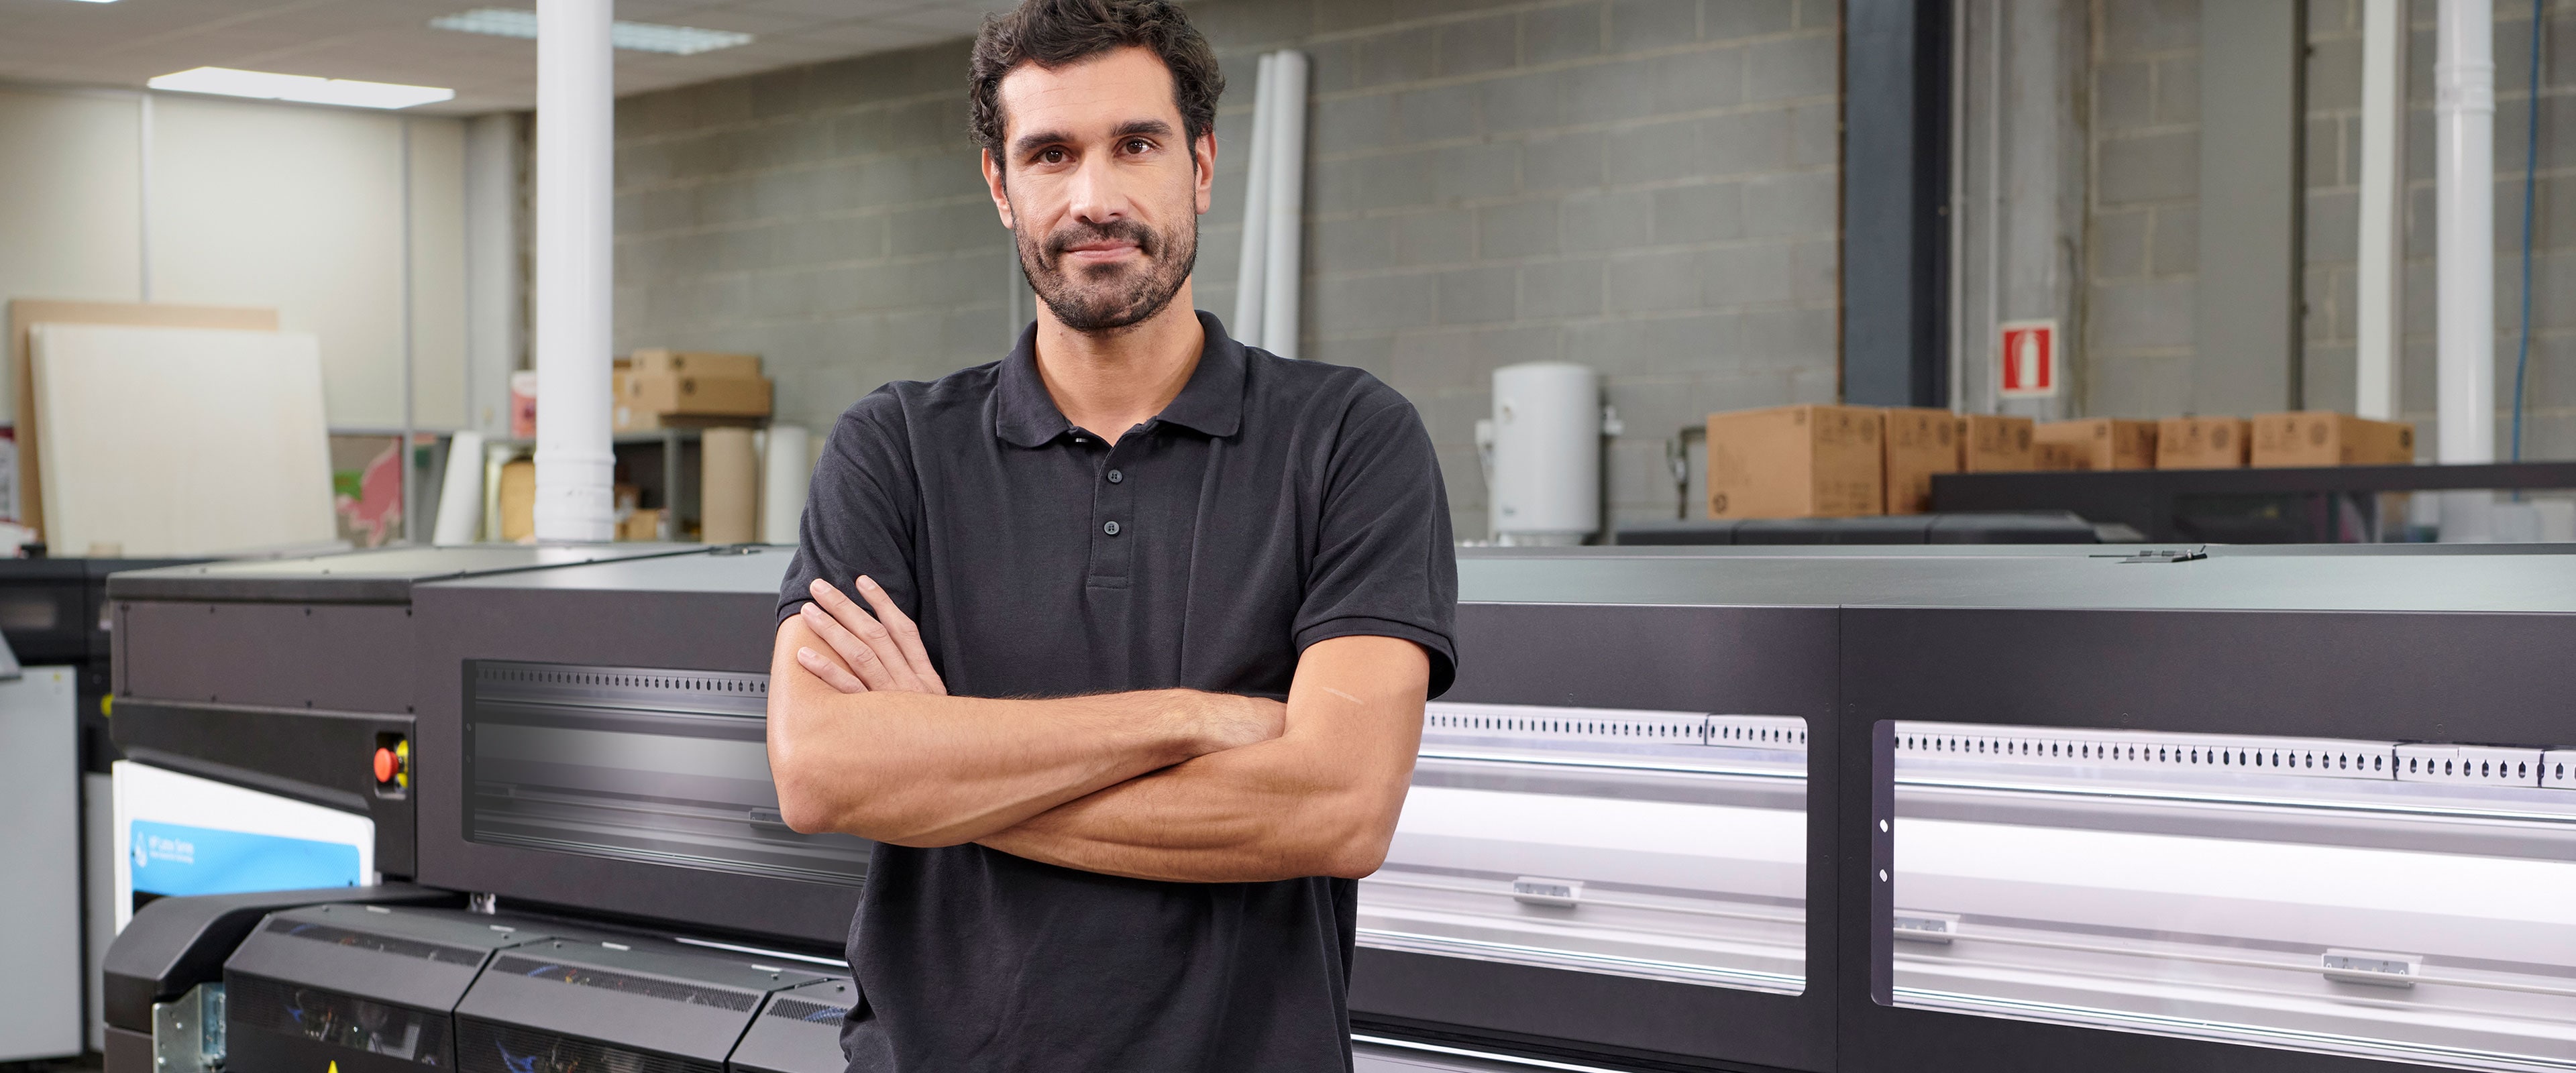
(1165, 784)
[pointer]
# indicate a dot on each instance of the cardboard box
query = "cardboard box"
(2325, 438)
(2201, 443)
(2100, 443)
(1918, 444)
(711, 396)
(1995, 443)
(1795, 462)
(2056, 456)
(657, 362)
(641, 524)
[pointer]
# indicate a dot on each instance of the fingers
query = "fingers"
(871, 650)
(907, 636)
(830, 671)
(855, 653)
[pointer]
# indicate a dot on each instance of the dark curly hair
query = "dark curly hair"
(1053, 33)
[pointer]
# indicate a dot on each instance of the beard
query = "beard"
(1107, 298)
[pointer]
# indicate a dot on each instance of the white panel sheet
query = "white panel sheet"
(40, 996)
(181, 441)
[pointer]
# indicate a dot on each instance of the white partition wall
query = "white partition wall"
(290, 207)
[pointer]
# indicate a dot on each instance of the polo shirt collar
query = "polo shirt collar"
(1210, 404)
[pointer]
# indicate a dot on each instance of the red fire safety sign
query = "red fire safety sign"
(2027, 358)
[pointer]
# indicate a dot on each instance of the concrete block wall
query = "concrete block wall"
(1645, 186)
(2139, 332)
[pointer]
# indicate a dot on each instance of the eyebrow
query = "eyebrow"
(1034, 140)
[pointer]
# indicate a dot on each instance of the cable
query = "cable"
(2530, 172)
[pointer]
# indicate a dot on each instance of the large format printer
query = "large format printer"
(1732, 808)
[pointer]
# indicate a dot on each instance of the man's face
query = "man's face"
(1100, 186)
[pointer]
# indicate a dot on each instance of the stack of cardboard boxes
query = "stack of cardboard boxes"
(1840, 461)
(658, 389)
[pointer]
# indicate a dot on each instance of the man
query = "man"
(1129, 679)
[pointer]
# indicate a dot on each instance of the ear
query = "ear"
(1203, 167)
(993, 184)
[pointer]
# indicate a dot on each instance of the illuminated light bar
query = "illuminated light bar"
(636, 36)
(263, 85)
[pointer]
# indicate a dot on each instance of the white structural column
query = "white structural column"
(2464, 168)
(1248, 289)
(1285, 274)
(575, 110)
(2380, 305)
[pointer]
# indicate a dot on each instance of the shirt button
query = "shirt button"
(1110, 528)
(1115, 476)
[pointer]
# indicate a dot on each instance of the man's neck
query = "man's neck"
(1109, 382)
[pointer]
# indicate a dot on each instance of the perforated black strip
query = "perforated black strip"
(797, 1009)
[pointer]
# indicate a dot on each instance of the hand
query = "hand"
(880, 652)
(1226, 721)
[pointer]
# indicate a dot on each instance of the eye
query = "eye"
(1139, 145)
(1051, 155)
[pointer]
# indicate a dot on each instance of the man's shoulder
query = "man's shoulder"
(902, 404)
(1314, 390)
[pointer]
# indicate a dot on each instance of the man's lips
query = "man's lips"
(1100, 251)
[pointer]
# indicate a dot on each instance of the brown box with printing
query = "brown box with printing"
(2325, 438)
(1918, 443)
(2101, 443)
(2201, 443)
(1996, 443)
(654, 361)
(695, 396)
(1795, 462)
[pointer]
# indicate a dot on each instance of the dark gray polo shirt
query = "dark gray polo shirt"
(1273, 504)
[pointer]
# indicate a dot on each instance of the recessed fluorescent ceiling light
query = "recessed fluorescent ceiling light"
(305, 88)
(639, 36)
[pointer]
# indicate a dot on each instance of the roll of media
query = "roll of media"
(786, 469)
(728, 487)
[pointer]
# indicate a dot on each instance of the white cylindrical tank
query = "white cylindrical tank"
(1544, 477)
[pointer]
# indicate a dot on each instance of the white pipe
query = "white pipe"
(460, 495)
(1283, 276)
(575, 111)
(1248, 289)
(2379, 305)
(405, 480)
(2464, 165)
(492, 282)
(786, 471)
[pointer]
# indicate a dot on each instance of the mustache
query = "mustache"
(1128, 231)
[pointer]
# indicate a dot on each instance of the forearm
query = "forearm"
(1322, 799)
(926, 770)
(1258, 813)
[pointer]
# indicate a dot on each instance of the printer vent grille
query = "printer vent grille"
(489, 1048)
(387, 944)
(797, 1009)
(584, 976)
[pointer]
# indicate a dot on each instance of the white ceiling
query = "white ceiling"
(126, 42)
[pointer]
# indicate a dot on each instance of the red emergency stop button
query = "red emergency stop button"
(386, 765)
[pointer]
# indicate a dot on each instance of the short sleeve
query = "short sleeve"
(1384, 564)
(859, 512)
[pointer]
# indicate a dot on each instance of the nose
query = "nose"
(1095, 192)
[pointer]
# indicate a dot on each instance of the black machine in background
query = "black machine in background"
(54, 612)
(1690, 808)
(289, 676)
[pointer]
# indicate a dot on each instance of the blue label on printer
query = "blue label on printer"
(169, 859)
